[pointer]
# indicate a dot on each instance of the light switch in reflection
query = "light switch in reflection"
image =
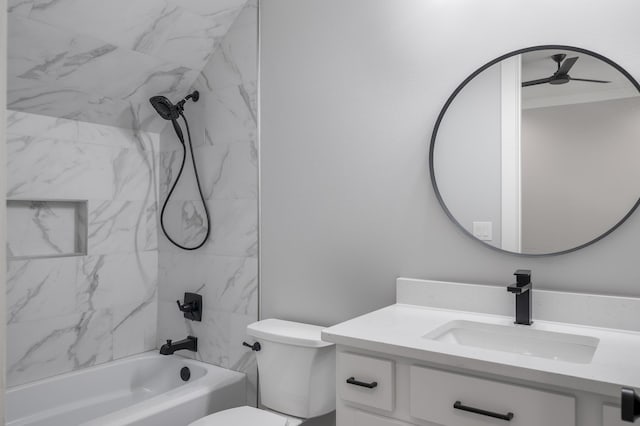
(483, 230)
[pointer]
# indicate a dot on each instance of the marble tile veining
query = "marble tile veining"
(106, 281)
(100, 61)
(226, 283)
(19, 7)
(25, 124)
(227, 170)
(45, 228)
(211, 8)
(57, 345)
(121, 226)
(134, 328)
(232, 116)
(234, 231)
(66, 313)
(235, 61)
(64, 169)
(40, 288)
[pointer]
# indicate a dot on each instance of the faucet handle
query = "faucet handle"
(187, 307)
(168, 342)
(192, 306)
(523, 276)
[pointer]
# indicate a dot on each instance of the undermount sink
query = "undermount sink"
(518, 339)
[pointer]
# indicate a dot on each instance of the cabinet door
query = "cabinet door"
(611, 416)
(457, 400)
(373, 378)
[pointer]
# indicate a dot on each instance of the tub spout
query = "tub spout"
(190, 344)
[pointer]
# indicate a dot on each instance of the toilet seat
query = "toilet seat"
(241, 416)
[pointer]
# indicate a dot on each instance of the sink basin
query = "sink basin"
(518, 339)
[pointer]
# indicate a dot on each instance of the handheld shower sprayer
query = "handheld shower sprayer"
(167, 110)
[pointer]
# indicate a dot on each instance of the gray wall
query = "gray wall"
(580, 171)
(350, 91)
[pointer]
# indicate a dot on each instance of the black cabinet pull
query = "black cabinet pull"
(353, 381)
(458, 406)
(630, 405)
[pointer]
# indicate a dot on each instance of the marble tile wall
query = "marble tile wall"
(99, 61)
(224, 271)
(72, 312)
(46, 228)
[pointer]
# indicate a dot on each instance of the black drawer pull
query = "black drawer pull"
(630, 406)
(458, 406)
(353, 381)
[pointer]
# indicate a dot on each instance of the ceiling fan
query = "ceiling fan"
(561, 76)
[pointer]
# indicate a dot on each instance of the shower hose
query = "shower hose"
(175, 182)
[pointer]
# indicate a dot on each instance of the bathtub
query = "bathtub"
(142, 390)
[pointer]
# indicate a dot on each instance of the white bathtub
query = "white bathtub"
(143, 390)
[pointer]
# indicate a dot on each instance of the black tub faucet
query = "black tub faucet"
(190, 344)
(522, 290)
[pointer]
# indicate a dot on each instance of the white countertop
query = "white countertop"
(398, 330)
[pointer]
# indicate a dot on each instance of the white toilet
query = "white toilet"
(296, 375)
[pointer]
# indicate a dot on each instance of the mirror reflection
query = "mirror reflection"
(539, 153)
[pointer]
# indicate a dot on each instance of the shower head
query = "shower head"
(165, 108)
(169, 111)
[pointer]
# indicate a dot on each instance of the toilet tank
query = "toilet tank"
(296, 368)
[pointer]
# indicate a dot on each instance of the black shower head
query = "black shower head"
(165, 108)
(169, 111)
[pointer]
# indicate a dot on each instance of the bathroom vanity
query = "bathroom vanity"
(450, 354)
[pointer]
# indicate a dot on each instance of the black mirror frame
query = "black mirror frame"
(462, 86)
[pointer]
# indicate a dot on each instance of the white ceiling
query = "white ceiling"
(100, 60)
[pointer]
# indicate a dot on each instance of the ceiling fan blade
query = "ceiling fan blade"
(589, 80)
(567, 65)
(536, 82)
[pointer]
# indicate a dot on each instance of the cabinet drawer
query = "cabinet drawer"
(434, 393)
(363, 370)
(366, 419)
(611, 416)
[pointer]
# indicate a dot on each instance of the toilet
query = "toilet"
(296, 377)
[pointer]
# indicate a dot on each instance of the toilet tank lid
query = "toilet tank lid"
(288, 332)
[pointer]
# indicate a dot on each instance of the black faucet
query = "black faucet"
(522, 290)
(190, 344)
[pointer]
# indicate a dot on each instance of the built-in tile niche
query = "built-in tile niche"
(46, 228)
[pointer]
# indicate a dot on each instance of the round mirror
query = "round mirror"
(538, 151)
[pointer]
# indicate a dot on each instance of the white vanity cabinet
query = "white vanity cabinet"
(408, 392)
(449, 354)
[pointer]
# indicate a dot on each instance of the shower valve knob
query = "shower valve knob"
(192, 306)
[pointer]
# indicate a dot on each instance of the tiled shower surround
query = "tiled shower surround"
(66, 313)
(71, 312)
(224, 271)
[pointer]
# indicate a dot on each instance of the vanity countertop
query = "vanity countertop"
(399, 330)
